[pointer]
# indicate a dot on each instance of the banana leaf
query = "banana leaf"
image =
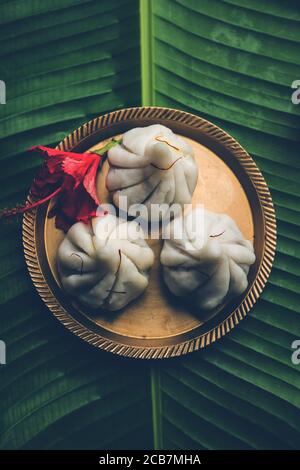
(233, 62)
(64, 62)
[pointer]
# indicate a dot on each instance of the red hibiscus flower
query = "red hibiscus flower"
(70, 178)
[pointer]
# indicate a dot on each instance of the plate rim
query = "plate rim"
(234, 317)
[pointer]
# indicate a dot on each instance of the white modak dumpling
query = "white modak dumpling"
(105, 263)
(205, 258)
(152, 166)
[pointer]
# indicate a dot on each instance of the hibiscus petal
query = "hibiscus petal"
(71, 177)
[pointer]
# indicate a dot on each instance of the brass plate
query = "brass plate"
(157, 325)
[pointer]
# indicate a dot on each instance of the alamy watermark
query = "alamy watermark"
(296, 94)
(295, 358)
(2, 353)
(2, 92)
(154, 221)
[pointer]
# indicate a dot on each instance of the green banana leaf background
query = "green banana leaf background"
(232, 62)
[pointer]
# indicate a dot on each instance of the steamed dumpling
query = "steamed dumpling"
(151, 166)
(106, 263)
(205, 258)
